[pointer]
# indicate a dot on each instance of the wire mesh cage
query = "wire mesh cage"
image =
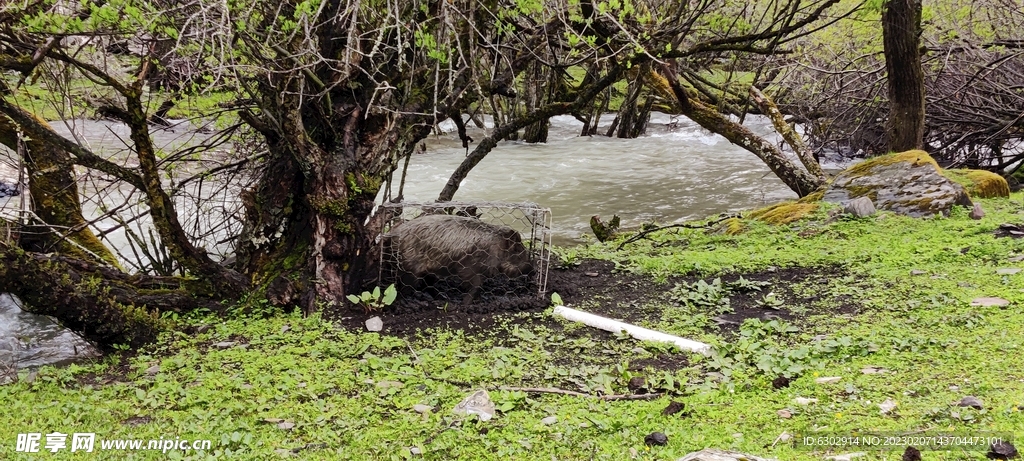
(465, 251)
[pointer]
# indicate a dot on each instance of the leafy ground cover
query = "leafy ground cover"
(881, 303)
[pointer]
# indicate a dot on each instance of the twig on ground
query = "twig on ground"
(644, 233)
(610, 397)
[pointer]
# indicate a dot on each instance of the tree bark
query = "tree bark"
(55, 199)
(768, 107)
(901, 30)
(104, 305)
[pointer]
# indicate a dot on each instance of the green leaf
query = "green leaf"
(556, 299)
(353, 298)
(389, 295)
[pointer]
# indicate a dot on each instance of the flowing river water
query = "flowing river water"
(676, 172)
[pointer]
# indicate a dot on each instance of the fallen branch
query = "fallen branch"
(646, 232)
(610, 397)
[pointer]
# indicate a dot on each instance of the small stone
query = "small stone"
(591, 274)
(153, 370)
(415, 451)
(977, 212)
(846, 456)
(374, 324)
(911, 454)
(887, 406)
(784, 413)
(389, 384)
(917, 272)
(549, 420)
(804, 401)
(673, 408)
(860, 207)
(656, 438)
(971, 401)
(1002, 450)
(1008, 271)
(478, 403)
(286, 425)
(828, 380)
(285, 329)
(1016, 259)
(954, 387)
(987, 301)
(225, 344)
(420, 408)
(873, 370)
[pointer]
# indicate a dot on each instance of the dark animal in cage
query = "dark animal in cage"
(437, 252)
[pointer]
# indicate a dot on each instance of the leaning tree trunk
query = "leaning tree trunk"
(102, 304)
(55, 199)
(901, 30)
(799, 180)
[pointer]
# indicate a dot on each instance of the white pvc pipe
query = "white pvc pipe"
(640, 333)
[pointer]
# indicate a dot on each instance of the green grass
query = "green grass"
(350, 395)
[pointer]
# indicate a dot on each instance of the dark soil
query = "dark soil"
(608, 292)
(613, 293)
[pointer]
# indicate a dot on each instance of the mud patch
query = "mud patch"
(607, 290)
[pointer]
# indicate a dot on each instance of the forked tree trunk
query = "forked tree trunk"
(901, 30)
(309, 240)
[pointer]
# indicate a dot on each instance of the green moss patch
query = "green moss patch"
(784, 213)
(980, 183)
(914, 157)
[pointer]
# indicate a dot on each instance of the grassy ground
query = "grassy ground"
(284, 386)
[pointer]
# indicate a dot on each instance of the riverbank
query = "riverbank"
(855, 325)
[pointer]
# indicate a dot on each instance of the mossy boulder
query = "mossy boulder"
(908, 183)
(980, 183)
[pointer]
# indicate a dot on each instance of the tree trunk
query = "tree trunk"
(309, 239)
(768, 107)
(55, 199)
(104, 305)
(901, 30)
(538, 131)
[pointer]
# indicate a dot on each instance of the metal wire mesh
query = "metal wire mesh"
(468, 251)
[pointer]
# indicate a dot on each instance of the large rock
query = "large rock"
(908, 183)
